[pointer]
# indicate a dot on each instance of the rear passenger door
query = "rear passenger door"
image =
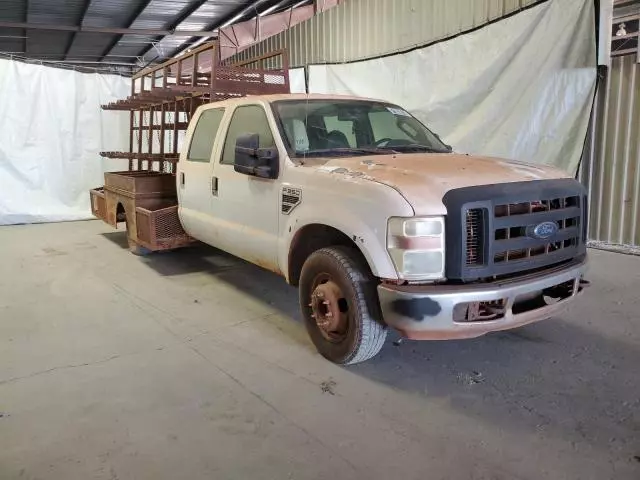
(196, 183)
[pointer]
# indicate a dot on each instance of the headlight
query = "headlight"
(416, 246)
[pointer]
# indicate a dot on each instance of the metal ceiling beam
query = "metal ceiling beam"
(85, 7)
(230, 19)
(113, 31)
(39, 59)
(130, 22)
(274, 8)
(69, 57)
(25, 16)
(243, 14)
(177, 21)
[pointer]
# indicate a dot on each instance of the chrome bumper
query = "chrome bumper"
(427, 312)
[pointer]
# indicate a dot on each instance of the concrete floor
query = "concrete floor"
(195, 365)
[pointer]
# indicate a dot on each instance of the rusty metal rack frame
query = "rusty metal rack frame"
(164, 98)
(627, 43)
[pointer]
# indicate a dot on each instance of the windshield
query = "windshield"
(352, 127)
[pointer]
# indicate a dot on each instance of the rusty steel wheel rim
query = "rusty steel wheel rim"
(329, 309)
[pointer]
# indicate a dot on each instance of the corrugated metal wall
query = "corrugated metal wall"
(359, 29)
(611, 164)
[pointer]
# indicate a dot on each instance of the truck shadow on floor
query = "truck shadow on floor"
(263, 285)
(117, 237)
(558, 378)
(555, 378)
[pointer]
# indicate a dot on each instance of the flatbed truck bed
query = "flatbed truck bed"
(147, 202)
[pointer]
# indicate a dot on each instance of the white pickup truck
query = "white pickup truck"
(378, 222)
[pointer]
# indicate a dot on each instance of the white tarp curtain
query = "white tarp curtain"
(520, 88)
(51, 130)
(297, 81)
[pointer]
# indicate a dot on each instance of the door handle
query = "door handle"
(214, 186)
(182, 179)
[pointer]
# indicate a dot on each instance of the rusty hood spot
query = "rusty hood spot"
(424, 178)
(347, 172)
(372, 163)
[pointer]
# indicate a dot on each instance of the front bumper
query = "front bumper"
(430, 313)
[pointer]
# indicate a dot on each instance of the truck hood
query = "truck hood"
(424, 178)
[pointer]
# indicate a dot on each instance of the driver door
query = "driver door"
(246, 208)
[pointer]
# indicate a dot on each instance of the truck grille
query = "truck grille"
(501, 233)
(568, 204)
(475, 225)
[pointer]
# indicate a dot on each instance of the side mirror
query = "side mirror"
(252, 160)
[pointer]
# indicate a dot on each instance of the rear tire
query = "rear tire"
(339, 304)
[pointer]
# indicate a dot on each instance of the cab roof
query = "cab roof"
(290, 96)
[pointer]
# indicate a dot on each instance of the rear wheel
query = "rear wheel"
(339, 305)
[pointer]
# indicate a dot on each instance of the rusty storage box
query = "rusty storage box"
(160, 229)
(98, 203)
(147, 201)
(141, 183)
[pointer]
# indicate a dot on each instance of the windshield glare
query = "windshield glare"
(352, 127)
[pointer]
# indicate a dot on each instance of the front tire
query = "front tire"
(339, 305)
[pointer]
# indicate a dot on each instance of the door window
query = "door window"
(246, 119)
(204, 135)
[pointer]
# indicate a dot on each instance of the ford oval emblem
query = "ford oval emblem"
(545, 230)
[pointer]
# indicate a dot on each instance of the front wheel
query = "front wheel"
(339, 305)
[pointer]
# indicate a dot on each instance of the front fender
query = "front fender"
(371, 240)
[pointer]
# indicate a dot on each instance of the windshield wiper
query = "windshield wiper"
(415, 147)
(340, 151)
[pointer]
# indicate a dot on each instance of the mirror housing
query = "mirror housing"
(254, 161)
